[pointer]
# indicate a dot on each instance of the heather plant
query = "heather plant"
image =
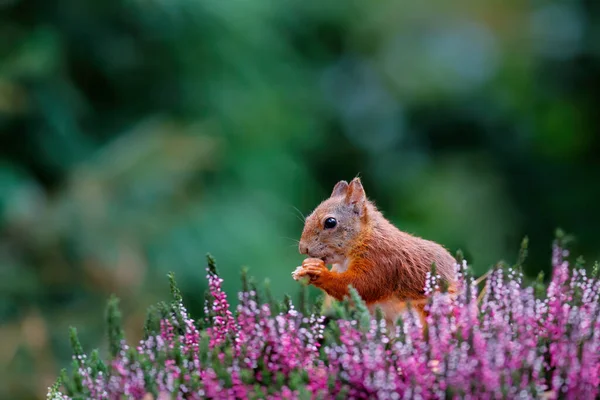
(498, 338)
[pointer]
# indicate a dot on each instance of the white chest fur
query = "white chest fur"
(340, 267)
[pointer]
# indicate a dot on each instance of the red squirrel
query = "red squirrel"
(386, 266)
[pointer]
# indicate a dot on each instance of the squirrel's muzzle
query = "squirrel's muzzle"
(302, 248)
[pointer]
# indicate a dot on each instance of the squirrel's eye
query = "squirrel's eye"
(330, 223)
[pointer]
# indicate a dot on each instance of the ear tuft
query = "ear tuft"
(356, 194)
(340, 189)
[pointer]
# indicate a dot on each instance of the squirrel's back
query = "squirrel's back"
(405, 258)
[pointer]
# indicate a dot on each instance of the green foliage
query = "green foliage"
(114, 325)
(303, 305)
(269, 296)
(152, 322)
(244, 276)
(580, 263)
(175, 292)
(75, 344)
(318, 304)
(360, 311)
(459, 256)
(539, 287)
(96, 363)
(54, 390)
(212, 264)
(286, 304)
(254, 287)
(522, 254)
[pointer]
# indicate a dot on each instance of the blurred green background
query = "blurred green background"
(138, 135)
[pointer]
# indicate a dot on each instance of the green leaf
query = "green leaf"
(54, 390)
(563, 239)
(361, 312)
(343, 394)
(152, 322)
(303, 299)
(523, 252)
(539, 287)
(318, 304)
(444, 285)
(279, 379)
(175, 292)
(212, 264)
(295, 380)
(247, 376)
(67, 383)
(115, 327)
(254, 288)
(286, 305)
(459, 256)
(97, 364)
(433, 269)
(269, 295)
(77, 381)
(244, 277)
(304, 394)
(75, 344)
(203, 347)
(580, 262)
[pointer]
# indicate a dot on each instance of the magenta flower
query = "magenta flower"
(501, 339)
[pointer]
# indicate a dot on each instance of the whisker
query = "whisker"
(296, 241)
(301, 216)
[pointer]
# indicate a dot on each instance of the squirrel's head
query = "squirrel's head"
(335, 224)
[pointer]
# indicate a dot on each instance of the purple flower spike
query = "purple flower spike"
(498, 339)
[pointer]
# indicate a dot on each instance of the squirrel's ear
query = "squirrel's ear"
(356, 196)
(339, 189)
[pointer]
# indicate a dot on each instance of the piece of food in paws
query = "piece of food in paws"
(295, 273)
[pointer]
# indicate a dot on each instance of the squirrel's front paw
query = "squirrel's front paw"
(297, 273)
(312, 268)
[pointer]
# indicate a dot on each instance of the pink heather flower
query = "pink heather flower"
(506, 344)
(223, 323)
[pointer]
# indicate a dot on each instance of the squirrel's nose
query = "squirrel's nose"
(303, 248)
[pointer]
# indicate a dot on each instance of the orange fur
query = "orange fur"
(385, 265)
